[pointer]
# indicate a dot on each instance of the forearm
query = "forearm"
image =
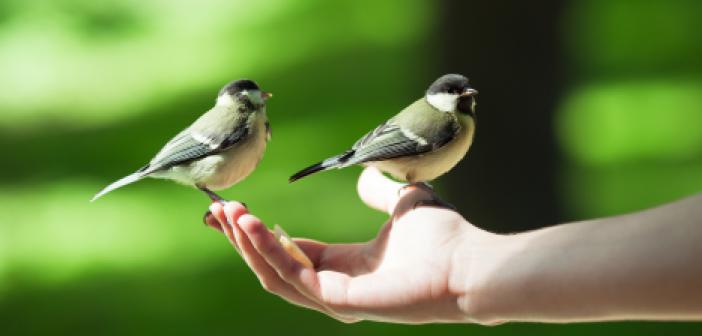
(646, 265)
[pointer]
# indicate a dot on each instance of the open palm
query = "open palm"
(404, 274)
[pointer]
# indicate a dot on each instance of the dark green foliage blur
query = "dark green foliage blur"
(605, 97)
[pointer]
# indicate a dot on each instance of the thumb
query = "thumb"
(378, 191)
(384, 194)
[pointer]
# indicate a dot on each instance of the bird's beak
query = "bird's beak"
(266, 95)
(469, 93)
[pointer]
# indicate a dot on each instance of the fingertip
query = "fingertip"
(217, 212)
(366, 179)
(378, 191)
(250, 223)
(308, 276)
(233, 210)
(233, 206)
(212, 221)
(370, 171)
(215, 207)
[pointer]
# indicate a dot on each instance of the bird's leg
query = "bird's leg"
(425, 185)
(212, 195)
(215, 198)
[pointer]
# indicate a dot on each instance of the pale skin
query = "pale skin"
(429, 264)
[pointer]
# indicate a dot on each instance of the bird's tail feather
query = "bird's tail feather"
(333, 162)
(120, 183)
(317, 167)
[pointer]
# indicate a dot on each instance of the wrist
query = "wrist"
(477, 278)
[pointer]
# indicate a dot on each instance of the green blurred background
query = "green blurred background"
(586, 108)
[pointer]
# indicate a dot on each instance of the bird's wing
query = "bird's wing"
(389, 141)
(189, 145)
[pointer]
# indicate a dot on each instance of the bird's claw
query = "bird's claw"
(434, 202)
(213, 196)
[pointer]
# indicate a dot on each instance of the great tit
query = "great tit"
(422, 142)
(221, 148)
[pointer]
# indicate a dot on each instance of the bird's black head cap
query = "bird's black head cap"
(238, 86)
(451, 83)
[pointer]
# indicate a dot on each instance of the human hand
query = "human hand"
(428, 264)
(405, 274)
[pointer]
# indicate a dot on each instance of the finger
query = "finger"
(304, 280)
(351, 259)
(211, 221)
(217, 210)
(232, 211)
(266, 275)
(378, 191)
(384, 194)
(301, 278)
(234, 233)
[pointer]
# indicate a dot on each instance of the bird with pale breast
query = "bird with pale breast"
(419, 144)
(219, 149)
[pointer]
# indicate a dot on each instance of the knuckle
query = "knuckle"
(268, 249)
(289, 270)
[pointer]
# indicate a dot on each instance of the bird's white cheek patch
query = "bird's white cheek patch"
(443, 101)
(225, 100)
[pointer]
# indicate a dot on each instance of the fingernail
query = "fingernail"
(215, 226)
(204, 217)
